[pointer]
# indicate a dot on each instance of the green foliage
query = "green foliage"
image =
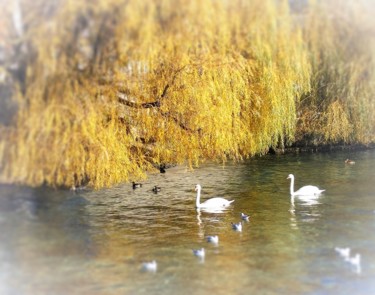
(114, 88)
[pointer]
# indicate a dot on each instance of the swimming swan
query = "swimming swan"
(210, 203)
(308, 190)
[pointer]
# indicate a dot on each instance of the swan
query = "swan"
(199, 253)
(210, 203)
(150, 266)
(308, 190)
(245, 217)
(237, 226)
(213, 239)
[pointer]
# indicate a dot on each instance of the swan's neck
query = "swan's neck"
(292, 186)
(197, 202)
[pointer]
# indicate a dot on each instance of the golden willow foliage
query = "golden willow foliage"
(341, 39)
(114, 88)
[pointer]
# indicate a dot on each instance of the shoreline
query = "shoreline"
(298, 148)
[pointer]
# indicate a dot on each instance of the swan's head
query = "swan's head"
(198, 187)
(290, 176)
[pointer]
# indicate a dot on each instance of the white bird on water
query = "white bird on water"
(237, 226)
(150, 266)
(305, 191)
(245, 217)
(213, 239)
(199, 253)
(355, 261)
(210, 203)
(344, 252)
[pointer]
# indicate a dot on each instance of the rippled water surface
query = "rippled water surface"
(94, 242)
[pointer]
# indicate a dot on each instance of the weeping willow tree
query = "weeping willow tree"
(340, 107)
(109, 90)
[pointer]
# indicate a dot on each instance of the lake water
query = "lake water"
(94, 242)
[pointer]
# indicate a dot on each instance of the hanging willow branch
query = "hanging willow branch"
(123, 95)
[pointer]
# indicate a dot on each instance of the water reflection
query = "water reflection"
(304, 209)
(210, 217)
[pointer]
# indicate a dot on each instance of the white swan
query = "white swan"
(210, 203)
(307, 191)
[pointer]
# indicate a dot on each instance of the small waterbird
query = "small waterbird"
(245, 217)
(355, 261)
(150, 266)
(237, 226)
(344, 252)
(136, 185)
(351, 162)
(162, 168)
(156, 189)
(212, 239)
(199, 253)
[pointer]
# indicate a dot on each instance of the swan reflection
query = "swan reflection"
(209, 211)
(212, 210)
(307, 210)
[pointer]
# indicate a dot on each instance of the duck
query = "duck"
(245, 217)
(212, 239)
(344, 252)
(199, 253)
(136, 185)
(156, 189)
(218, 203)
(237, 226)
(150, 266)
(305, 191)
(162, 168)
(351, 162)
